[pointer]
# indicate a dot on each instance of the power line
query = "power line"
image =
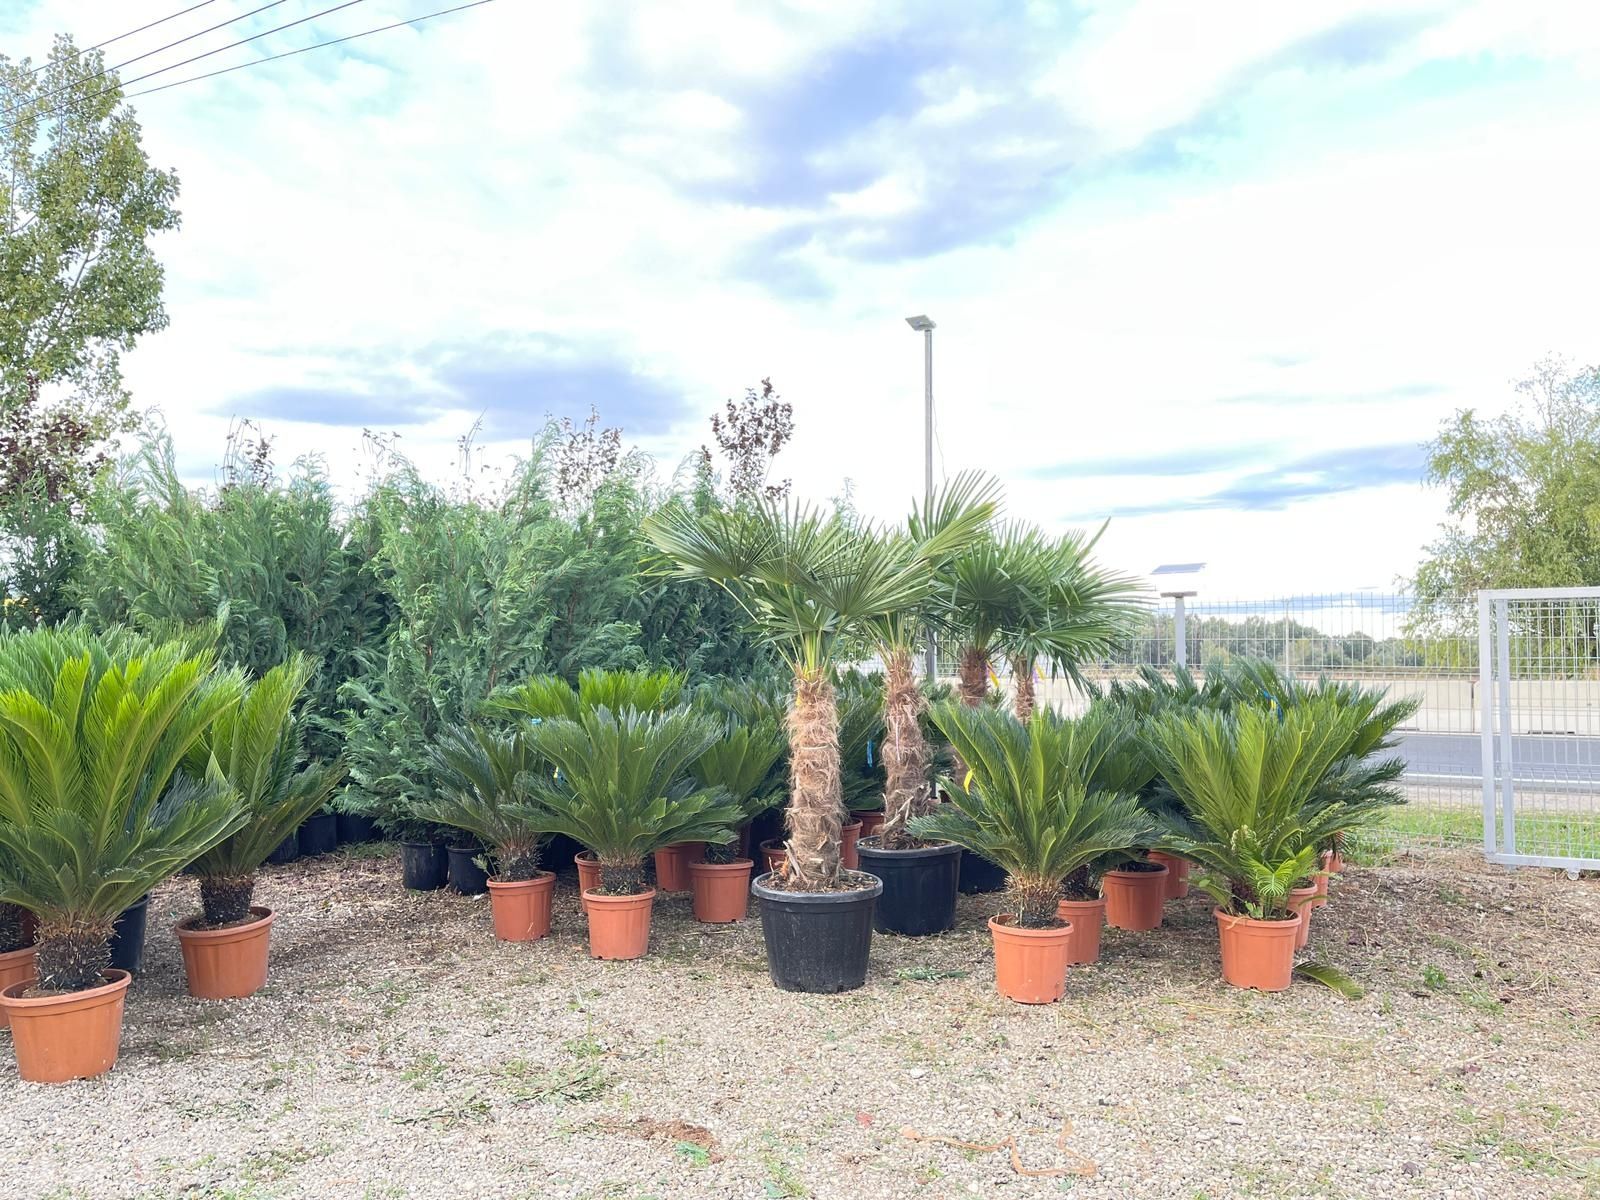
(443, 12)
(128, 62)
(151, 25)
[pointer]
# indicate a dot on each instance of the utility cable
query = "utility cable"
(131, 32)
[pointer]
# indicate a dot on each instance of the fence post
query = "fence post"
(1486, 722)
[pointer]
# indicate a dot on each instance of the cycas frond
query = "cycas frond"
(746, 762)
(1030, 803)
(93, 809)
(551, 696)
(622, 784)
(483, 787)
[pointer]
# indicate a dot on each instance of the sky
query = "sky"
(1214, 271)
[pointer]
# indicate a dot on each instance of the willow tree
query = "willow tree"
(807, 580)
(957, 517)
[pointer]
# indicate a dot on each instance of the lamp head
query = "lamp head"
(920, 323)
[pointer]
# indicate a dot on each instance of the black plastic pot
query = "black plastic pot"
(817, 941)
(978, 875)
(466, 876)
(919, 887)
(319, 835)
(424, 867)
(288, 850)
(557, 854)
(354, 828)
(127, 937)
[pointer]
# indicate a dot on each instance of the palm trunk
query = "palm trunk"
(816, 802)
(974, 682)
(1022, 681)
(516, 862)
(1036, 901)
(906, 793)
(226, 899)
(622, 878)
(73, 954)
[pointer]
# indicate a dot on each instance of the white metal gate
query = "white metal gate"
(1539, 684)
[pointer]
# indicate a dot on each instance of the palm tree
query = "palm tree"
(94, 811)
(957, 515)
(1021, 597)
(1249, 782)
(1030, 801)
(482, 788)
(257, 747)
(806, 580)
(622, 785)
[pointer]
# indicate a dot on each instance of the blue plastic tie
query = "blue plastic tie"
(869, 752)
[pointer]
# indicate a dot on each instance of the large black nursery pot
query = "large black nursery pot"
(919, 887)
(979, 875)
(817, 941)
(319, 834)
(424, 867)
(127, 936)
(355, 828)
(466, 876)
(288, 850)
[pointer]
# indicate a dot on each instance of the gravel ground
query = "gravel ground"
(398, 1051)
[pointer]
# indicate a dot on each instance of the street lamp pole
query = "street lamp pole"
(924, 325)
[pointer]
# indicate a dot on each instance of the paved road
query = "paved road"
(1566, 761)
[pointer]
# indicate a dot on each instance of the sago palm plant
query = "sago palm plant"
(482, 787)
(94, 810)
(1029, 801)
(622, 785)
(806, 580)
(552, 696)
(257, 749)
(1248, 781)
(746, 763)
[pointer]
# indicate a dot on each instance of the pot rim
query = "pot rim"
(820, 899)
(639, 899)
(1122, 874)
(117, 983)
(542, 879)
(1097, 902)
(738, 864)
(1286, 924)
(1001, 927)
(939, 850)
(264, 917)
(17, 955)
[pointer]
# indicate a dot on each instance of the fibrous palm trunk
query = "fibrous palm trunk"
(622, 877)
(73, 953)
(906, 793)
(974, 681)
(1022, 681)
(1036, 901)
(515, 862)
(226, 898)
(816, 802)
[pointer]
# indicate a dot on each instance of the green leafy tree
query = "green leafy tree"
(79, 281)
(1033, 802)
(258, 750)
(94, 810)
(1523, 495)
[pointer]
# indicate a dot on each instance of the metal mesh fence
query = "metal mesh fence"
(1383, 640)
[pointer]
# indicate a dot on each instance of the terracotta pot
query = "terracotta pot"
(1087, 917)
(848, 837)
(226, 964)
(521, 907)
(1177, 873)
(73, 1035)
(619, 926)
(1257, 954)
(1332, 864)
(775, 854)
(871, 822)
(721, 890)
(1134, 898)
(16, 966)
(588, 874)
(1030, 965)
(1305, 901)
(672, 865)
